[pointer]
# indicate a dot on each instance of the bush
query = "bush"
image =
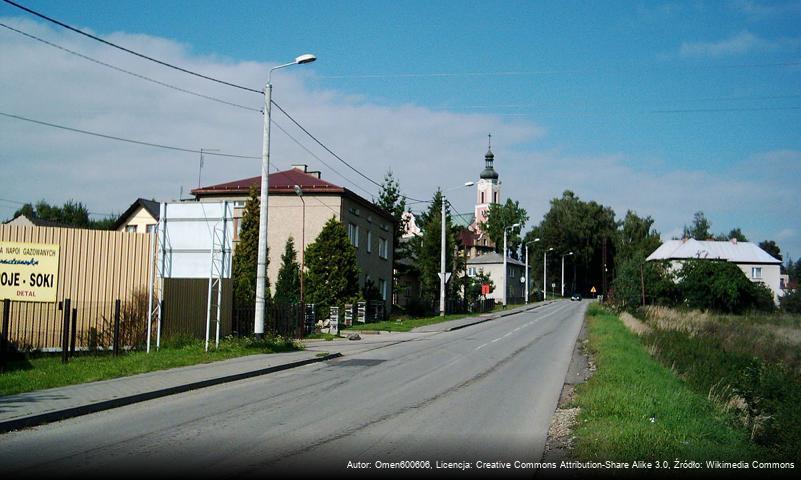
(791, 301)
(721, 286)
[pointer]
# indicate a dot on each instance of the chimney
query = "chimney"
(315, 173)
(300, 166)
(734, 241)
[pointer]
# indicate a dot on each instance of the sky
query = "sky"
(663, 108)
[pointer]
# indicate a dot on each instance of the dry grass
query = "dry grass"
(636, 326)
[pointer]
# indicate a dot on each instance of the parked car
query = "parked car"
(576, 297)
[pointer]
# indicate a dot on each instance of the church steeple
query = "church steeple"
(489, 172)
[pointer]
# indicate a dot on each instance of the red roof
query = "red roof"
(280, 182)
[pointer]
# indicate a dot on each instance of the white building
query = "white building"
(755, 263)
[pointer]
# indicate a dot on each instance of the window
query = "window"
(471, 271)
(496, 197)
(353, 234)
(369, 241)
(482, 198)
(150, 228)
(130, 228)
(382, 287)
(756, 272)
(382, 248)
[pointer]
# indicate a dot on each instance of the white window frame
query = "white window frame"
(353, 234)
(382, 287)
(130, 229)
(756, 272)
(369, 241)
(383, 248)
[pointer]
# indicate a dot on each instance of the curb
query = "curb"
(58, 415)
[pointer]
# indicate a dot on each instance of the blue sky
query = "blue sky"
(665, 108)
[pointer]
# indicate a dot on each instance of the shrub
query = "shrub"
(720, 286)
(791, 301)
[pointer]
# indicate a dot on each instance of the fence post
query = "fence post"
(116, 327)
(74, 330)
(4, 334)
(65, 332)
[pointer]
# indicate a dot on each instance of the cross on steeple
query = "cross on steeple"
(489, 141)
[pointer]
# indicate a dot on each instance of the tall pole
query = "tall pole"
(563, 275)
(261, 266)
(505, 271)
(442, 262)
(544, 275)
(527, 274)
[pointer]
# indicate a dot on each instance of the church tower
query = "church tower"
(488, 189)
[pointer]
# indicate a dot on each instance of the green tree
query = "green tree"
(721, 286)
(700, 228)
(332, 274)
(71, 213)
(473, 286)
(391, 200)
(573, 225)
(427, 249)
(791, 301)
(287, 287)
(772, 248)
(501, 216)
(637, 236)
(737, 234)
(246, 256)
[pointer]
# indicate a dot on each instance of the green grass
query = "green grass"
(406, 324)
(634, 408)
(37, 372)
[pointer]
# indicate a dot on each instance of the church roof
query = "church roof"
(489, 172)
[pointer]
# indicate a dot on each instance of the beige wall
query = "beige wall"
(770, 277)
(495, 272)
(141, 219)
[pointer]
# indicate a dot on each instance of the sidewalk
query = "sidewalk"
(44, 406)
(457, 324)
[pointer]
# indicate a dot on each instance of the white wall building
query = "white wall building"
(757, 264)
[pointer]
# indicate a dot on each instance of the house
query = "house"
(492, 264)
(23, 220)
(757, 264)
(302, 217)
(141, 217)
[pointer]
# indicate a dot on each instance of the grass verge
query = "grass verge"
(634, 408)
(406, 324)
(37, 372)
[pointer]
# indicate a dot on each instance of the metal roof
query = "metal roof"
(731, 251)
(493, 257)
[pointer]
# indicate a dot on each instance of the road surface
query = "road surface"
(484, 393)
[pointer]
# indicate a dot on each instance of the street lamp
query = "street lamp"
(563, 271)
(545, 273)
(505, 272)
(442, 251)
(301, 304)
(261, 266)
(527, 244)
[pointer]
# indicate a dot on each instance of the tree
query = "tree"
(332, 274)
(700, 228)
(71, 213)
(391, 200)
(246, 257)
(637, 278)
(501, 216)
(637, 236)
(772, 248)
(427, 249)
(737, 234)
(791, 301)
(721, 286)
(287, 287)
(473, 286)
(573, 225)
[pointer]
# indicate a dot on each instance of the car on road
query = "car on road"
(575, 297)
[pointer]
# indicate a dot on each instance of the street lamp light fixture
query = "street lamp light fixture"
(261, 265)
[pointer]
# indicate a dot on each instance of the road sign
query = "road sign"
(447, 276)
(485, 289)
(592, 290)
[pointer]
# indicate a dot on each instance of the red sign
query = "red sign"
(485, 290)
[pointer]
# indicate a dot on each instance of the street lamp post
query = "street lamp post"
(545, 273)
(301, 304)
(261, 266)
(442, 251)
(505, 271)
(563, 271)
(527, 244)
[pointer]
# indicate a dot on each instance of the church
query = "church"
(488, 191)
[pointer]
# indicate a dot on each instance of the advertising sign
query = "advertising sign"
(28, 271)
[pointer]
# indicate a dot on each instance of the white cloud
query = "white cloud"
(738, 44)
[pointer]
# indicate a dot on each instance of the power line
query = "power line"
(137, 75)
(121, 139)
(132, 52)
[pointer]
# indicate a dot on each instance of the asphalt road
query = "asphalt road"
(483, 393)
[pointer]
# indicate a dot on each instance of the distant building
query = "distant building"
(758, 265)
(23, 220)
(369, 227)
(492, 264)
(474, 241)
(141, 217)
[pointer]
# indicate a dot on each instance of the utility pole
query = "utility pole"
(442, 261)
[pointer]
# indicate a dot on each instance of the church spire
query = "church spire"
(489, 172)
